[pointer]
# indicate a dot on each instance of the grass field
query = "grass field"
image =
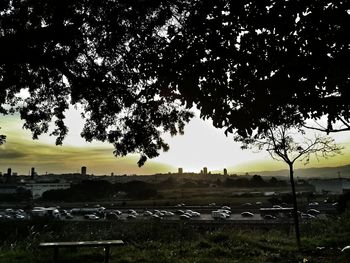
(162, 242)
(205, 195)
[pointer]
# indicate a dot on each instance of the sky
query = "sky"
(202, 145)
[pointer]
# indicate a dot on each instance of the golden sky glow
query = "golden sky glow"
(201, 146)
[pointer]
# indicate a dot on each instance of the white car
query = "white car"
(19, 216)
(168, 213)
(91, 217)
(276, 206)
(156, 217)
(131, 216)
(196, 214)
(147, 213)
(185, 217)
(306, 216)
(313, 212)
(159, 213)
(219, 215)
(269, 217)
(225, 211)
(118, 212)
(247, 214)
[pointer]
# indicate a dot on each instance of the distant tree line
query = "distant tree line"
(21, 194)
(101, 189)
(255, 181)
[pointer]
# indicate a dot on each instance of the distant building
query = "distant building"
(225, 171)
(83, 170)
(338, 185)
(32, 173)
(38, 188)
(180, 171)
(8, 176)
(205, 170)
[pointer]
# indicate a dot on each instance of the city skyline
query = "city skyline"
(202, 145)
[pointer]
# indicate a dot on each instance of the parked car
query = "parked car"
(112, 216)
(269, 217)
(306, 216)
(276, 206)
(168, 213)
(313, 212)
(179, 212)
(147, 213)
(91, 217)
(156, 217)
(247, 214)
(69, 216)
(19, 216)
(131, 216)
(185, 217)
(219, 215)
(118, 212)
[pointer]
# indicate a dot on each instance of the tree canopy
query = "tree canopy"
(133, 65)
(244, 62)
(94, 55)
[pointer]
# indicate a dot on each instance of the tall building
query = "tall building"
(83, 170)
(205, 170)
(225, 171)
(180, 171)
(32, 173)
(8, 176)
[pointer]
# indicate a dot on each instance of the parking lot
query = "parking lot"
(171, 214)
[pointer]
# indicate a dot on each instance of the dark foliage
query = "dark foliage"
(130, 64)
(94, 55)
(244, 62)
(100, 189)
(343, 202)
(20, 195)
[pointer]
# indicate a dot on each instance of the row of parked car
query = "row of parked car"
(10, 213)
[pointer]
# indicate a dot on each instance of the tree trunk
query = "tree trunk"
(295, 205)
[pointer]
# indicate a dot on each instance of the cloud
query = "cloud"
(22, 154)
(11, 154)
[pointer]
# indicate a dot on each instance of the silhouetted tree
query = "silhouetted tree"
(257, 180)
(243, 62)
(343, 202)
(282, 144)
(94, 55)
(129, 65)
(273, 181)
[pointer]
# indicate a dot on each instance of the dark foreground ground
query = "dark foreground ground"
(178, 242)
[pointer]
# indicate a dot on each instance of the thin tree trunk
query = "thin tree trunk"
(295, 205)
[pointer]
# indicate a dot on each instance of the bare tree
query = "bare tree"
(289, 145)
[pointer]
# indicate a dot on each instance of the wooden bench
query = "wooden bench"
(102, 243)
